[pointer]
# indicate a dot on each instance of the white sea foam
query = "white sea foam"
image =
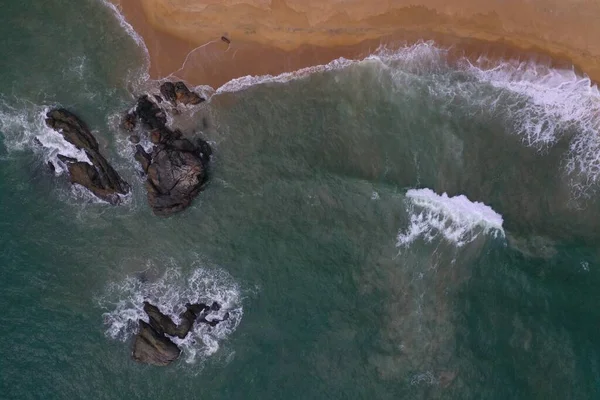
(239, 84)
(127, 27)
(136, 78)
(556, 102)
(456, 219)
(124, 302)
(22, 126)
(541, 104)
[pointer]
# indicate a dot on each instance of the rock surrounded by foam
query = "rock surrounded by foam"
(171, 293)
(457, 219)
(98, 176)
(177, 167)
(152, 344)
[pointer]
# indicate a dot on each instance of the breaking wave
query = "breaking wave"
(127, 27)
(124, 302)
(539, 103)
(456, 219)
(25, 128)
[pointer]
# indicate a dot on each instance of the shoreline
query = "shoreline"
(202, 58)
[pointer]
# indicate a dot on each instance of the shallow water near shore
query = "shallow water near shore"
(398, 227)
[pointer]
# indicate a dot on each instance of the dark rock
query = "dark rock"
(197, 309)
(176, 134)
(155, 136)
(99, 177)
(71, 128)
(177, 167)
(129, 121)
(204, 150)
(225, 39)
(142, 157)
(158, 99)
(135, 139)
(160, 322)
(151, 347)
(66, 159)
(214, 322)
(51, 166)
(185, 96)
(167, 89)
(150, 114)
(182, 145)
(163, 324)
(175, 177)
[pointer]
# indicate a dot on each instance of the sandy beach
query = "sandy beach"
(270, 37)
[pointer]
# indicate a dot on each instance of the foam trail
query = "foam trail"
(456, 219)
(188, 56)
(136, 78)
(417, 54)
(170, 292)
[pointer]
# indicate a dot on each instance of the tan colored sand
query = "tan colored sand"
(270, 37)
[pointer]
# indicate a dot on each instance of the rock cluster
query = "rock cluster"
(152, 344)
(98, 176)
(179, 93)
(176, 168)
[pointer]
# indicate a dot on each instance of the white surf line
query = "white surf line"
(128, 27)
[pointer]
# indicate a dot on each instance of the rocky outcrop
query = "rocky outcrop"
(164, 324)
(152, 344)
(98, 176)
(151, 347)
(179, 93)
(129, 122)
(176, 167)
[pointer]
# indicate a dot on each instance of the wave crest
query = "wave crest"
(456, 219)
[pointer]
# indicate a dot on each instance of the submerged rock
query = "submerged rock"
(152, 347)
(98, 176)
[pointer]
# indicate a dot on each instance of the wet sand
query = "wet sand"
(271, 37)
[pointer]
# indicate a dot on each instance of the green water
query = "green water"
(297, 230)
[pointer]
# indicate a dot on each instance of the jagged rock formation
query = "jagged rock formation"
(176, 167)
(99, 177)
(151, 346)
(179, 93)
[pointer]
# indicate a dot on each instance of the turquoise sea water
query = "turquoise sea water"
(324, 230)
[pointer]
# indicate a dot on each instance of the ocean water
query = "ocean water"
(396, 227)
